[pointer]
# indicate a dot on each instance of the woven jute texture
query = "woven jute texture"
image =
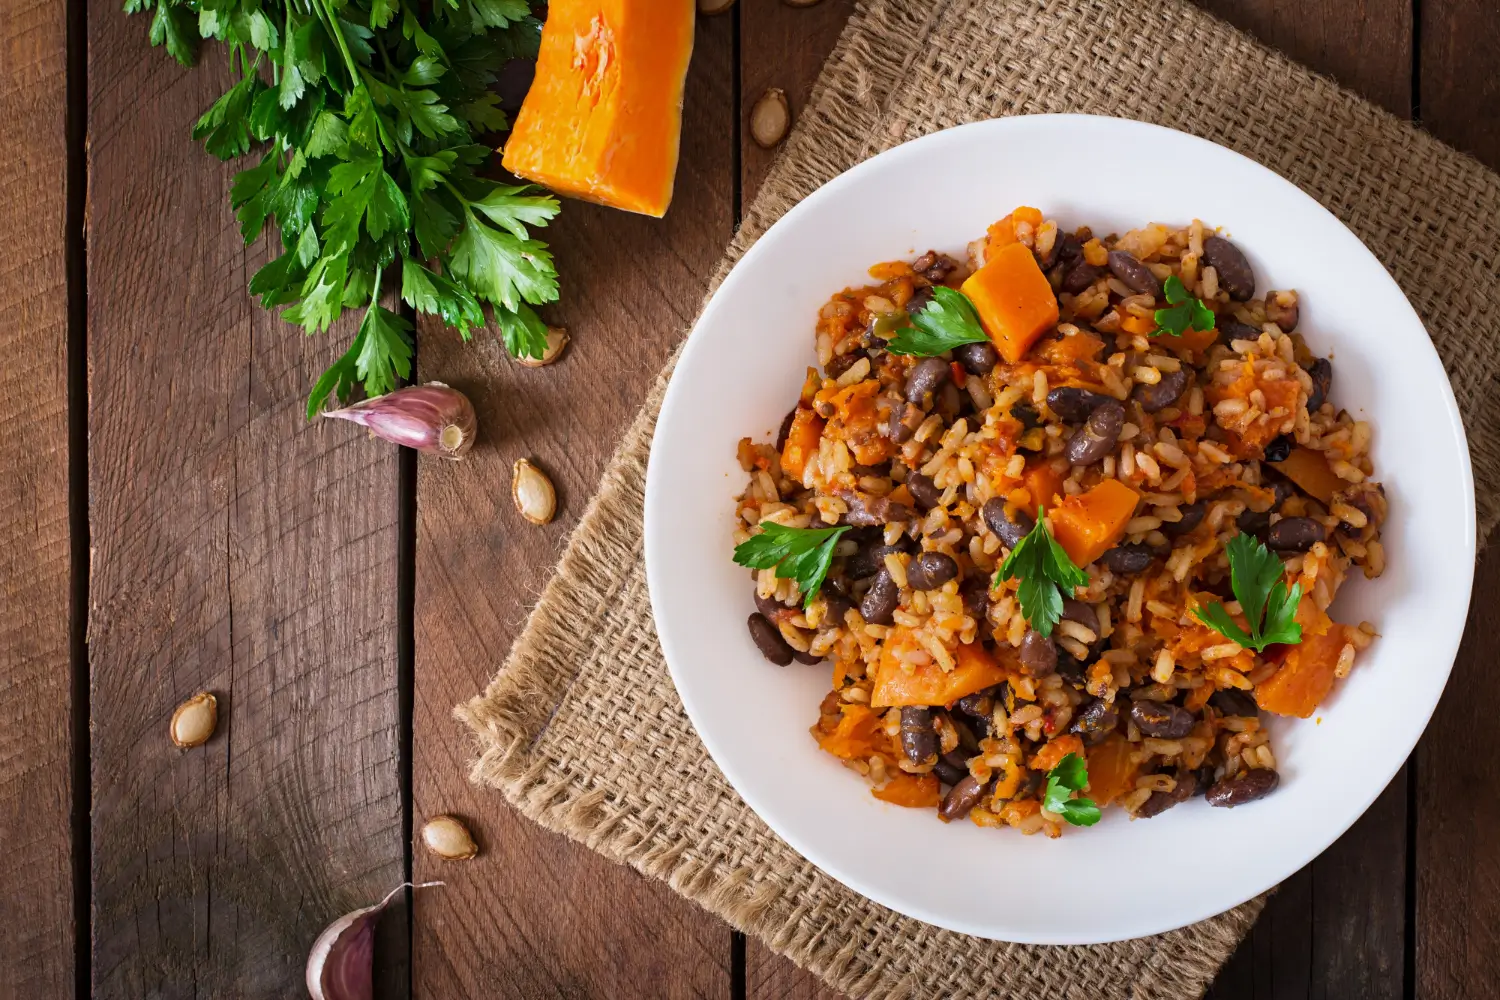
(581, 728)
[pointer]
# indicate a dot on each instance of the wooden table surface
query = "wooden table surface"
(170, 523)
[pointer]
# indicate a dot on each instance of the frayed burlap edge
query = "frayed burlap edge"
(861, 105)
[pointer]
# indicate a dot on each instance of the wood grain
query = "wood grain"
(1457, 853)
(237, 549)
(36, 780)
(780, 46)
(535, 915)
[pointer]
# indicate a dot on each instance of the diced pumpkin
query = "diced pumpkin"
(1003, 233)
(1306, 675)
(975, 669)
(1112, 772)
(1050, 755)
(915, 791)
(1142, 325)
(1310, 471)
(603, 118)
(1070, 349)
(1015, 303)
(1089, 524)
(1191, 339)
(853, 736)
(1042, 483)
(801, 442)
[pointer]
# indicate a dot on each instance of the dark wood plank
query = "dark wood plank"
(36, 782)
(535, 915)
(236, 549)
(1458, 776)
(780, 46)
(1458, 812)
(1364, 44)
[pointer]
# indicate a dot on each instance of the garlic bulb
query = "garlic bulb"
(339, 963)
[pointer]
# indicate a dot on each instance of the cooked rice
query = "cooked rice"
(1208, 447)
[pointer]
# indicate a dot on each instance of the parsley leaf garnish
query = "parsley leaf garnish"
(947, 321)
(800, 554)
(1269, 607)
(1064, 782)
(1183, 312)
(1046, 575)
(369, 124)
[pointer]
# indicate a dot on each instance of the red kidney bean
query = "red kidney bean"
(1154, 398)
(870, 558)
(948, 402)
(903, 422)
(1009, 531)
(930, 570)
(1076, 611)
(925, 378)
(1071, 669)
(768, 637)
(1283, 314)
(1165, 722)
(923, 491)
(878, 606)
(1079, 276)
(976, 597)
(1235, 275)
(1231, 329)
(1096, 721)
(918, 300)
(919, 740)
(1073, 404)
(865, 510)
(1321, 371)
(1295, 534)
(961, 798)
(1128, 559)
(1027, 415)
(1232, 701)
(977, 359)
(1247, 786)
(1192, 516)
(1160, 802)
(768, 606)
(1137, 276)
(1038, 654)
(1098, 436)
(952, 768)
(1279, 448)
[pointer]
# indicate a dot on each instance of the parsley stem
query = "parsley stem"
(331, 22)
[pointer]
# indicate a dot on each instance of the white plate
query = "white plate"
(740, 373)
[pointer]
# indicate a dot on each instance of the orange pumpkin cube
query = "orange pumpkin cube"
(603, 118)
(1306, 675)
(801, 442)
(915, 791)
(974, 670)
(1089, 524)
(1015, 303)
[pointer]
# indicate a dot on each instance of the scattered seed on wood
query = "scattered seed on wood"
(532, 492)
(194, 720)
(448, 838)
(714, 6)
(557, 342)
(770, 118)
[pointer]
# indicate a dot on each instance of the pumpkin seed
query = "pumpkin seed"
(532, 492)
(770, 118)
(194, 720)
(448, 838)
(557, 342)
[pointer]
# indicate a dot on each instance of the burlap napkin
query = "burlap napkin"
(581, 728)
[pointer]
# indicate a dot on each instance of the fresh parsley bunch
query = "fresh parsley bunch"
(947, 321)
(1255, 574)
(801, 554)
(1047, 576)
(367, 113)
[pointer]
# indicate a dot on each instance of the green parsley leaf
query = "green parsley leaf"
(1255, 574)
(433, 293)
(800, 554)
(1064, 782)
(501, 268)
(947, 321)
(1047, 576)
(523, 331)
(1183, 311)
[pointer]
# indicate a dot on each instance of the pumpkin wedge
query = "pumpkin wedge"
(603, 118)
